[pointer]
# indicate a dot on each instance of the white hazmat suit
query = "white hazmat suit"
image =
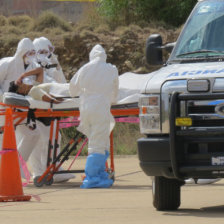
(38, 158)
(45, 57)
(97, 85)
(11, 69)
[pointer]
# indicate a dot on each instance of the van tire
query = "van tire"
(166, 193)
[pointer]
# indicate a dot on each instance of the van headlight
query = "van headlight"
(149, 114)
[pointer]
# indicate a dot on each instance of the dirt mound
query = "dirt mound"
(125, 47)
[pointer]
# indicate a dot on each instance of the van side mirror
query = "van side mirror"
(154, 49)
(169, 47)
(154, 55)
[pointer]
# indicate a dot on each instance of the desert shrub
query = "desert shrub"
(3, 20)
(13, 30)
(104, 29)
(12, 41)
(50, 20)
(135, 28)
(9, 44)
(23, 22)
(56, 31)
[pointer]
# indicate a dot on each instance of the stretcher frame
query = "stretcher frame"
(20, 113)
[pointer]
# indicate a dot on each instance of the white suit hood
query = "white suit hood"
(50, 75)
(98, 52)
(24, 46)
(42, 43)
(13, 67)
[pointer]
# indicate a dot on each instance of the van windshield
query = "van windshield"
(203, 34)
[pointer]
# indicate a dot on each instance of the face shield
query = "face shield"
(42, 55)
(51, 49)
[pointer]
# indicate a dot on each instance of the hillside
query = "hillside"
(125, 45)
(125, 48)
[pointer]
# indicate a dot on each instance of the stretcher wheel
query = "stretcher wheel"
(111, 174)
(49, 182)
(36, 183)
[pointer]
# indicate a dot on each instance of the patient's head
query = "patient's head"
(13, 87)
(22, 88)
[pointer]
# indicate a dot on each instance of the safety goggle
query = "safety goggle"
(51, 48)
(30, 53)
(44, 52)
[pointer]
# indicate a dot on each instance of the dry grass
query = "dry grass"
(125, 138)
(3, 20)
(22, 22)
(48, 20)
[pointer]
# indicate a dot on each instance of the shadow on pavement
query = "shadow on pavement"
(208, 212)
(65, 185)
(132, 187)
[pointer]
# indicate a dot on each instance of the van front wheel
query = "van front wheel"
(166, 193)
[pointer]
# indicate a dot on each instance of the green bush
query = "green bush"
(118, 12)
(50, 20)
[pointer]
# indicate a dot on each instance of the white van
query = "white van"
(182, 106)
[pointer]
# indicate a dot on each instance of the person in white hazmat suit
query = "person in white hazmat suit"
(97, 85)
(46, 58)
(10, 69)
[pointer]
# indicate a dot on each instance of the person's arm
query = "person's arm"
(38, 72)
(50, 99)
(4, 64)
(74, 85)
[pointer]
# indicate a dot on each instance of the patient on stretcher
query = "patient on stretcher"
(38, 90)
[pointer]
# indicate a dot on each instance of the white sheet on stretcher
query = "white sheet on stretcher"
(130, 85)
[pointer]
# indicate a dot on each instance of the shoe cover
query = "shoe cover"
(96, 176)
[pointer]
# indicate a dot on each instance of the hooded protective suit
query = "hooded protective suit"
(51, 74)
(11, 69)
(97, 85)
(38, 158)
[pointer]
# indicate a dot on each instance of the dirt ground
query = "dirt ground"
(128, 201)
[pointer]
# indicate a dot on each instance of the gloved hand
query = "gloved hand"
(54, 60)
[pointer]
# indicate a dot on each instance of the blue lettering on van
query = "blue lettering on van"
(202, 72)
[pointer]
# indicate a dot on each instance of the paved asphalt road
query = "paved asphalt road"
(128, 201)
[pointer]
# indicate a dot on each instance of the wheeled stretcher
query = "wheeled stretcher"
(25, 112)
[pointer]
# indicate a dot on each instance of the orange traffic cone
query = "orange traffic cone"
(10, 178)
